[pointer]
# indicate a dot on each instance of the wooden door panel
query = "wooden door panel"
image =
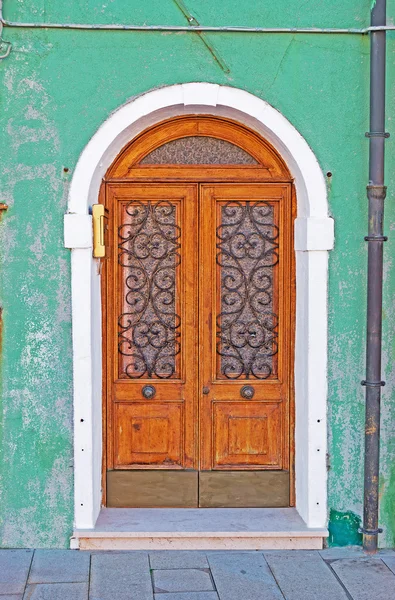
(247, 435)
(149, 435)
(245, 325)
(167, 391)
(272, 390)
(152, 329)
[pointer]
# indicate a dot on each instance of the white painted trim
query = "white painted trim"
(313, 233)
(314, 237)
(77, 231)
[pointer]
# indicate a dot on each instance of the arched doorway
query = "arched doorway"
(313, 239)
(198, 319)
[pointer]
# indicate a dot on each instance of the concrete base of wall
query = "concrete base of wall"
(199, 529)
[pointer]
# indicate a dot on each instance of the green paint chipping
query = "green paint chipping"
(387, 495)
(344, 529)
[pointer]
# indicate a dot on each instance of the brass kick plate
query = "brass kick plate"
(152, 489)
(243, 489)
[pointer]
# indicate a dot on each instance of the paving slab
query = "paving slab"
(390, 562)
(14, 569)
(11, 597)
(172, 559)
(342, 552)
(59, 566)
(304, 575)
(182, 580)
(120, 576)
(352, 552)
(186, 596)
(56, 591)
(243, 576)
(366, 578)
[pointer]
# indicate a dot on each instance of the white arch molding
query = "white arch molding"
(313, 238)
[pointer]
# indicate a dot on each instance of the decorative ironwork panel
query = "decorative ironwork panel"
(198, 150)
(247, 323)
(149, 255)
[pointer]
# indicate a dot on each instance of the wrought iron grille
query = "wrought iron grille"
(247, 254)
(149, 327)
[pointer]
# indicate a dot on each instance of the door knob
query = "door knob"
(247, 392)
(206, 390)
(149, 391)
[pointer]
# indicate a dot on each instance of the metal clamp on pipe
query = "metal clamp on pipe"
(383, 134)
(370, 531)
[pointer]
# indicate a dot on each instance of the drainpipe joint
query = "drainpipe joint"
(376, 192)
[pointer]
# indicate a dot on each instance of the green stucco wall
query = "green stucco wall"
(56, 88)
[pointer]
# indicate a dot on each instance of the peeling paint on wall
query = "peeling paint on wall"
(344, 529)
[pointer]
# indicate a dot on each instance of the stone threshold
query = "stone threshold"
(199, 529)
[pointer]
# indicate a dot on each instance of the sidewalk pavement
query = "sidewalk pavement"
(332, 574)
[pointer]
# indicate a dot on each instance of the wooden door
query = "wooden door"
(198, 322)
(245, 337)
(152, 345)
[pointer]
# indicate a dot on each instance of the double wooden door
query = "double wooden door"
(198, 335)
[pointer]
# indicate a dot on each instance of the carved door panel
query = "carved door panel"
(198, 321)
(245, 325)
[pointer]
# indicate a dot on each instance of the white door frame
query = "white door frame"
(313, 238)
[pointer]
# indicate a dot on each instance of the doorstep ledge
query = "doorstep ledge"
(199, 529)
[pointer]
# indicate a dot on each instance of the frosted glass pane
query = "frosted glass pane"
(198, 150)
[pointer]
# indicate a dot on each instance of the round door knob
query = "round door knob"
(149, 391)
(247, 392)
(206, 390)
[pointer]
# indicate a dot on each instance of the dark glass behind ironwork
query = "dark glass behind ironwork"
(198, 150)
(149, 327)
(247, 244)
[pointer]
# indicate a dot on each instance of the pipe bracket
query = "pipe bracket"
(373, 383)
(383, 134)
(370, 531)
(375, 238)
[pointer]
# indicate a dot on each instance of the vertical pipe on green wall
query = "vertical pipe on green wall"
(376, 192)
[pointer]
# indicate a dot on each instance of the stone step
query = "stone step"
(199, 529)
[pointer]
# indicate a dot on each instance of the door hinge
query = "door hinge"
(100, 226)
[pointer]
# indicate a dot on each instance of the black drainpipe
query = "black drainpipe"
(376, 192)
